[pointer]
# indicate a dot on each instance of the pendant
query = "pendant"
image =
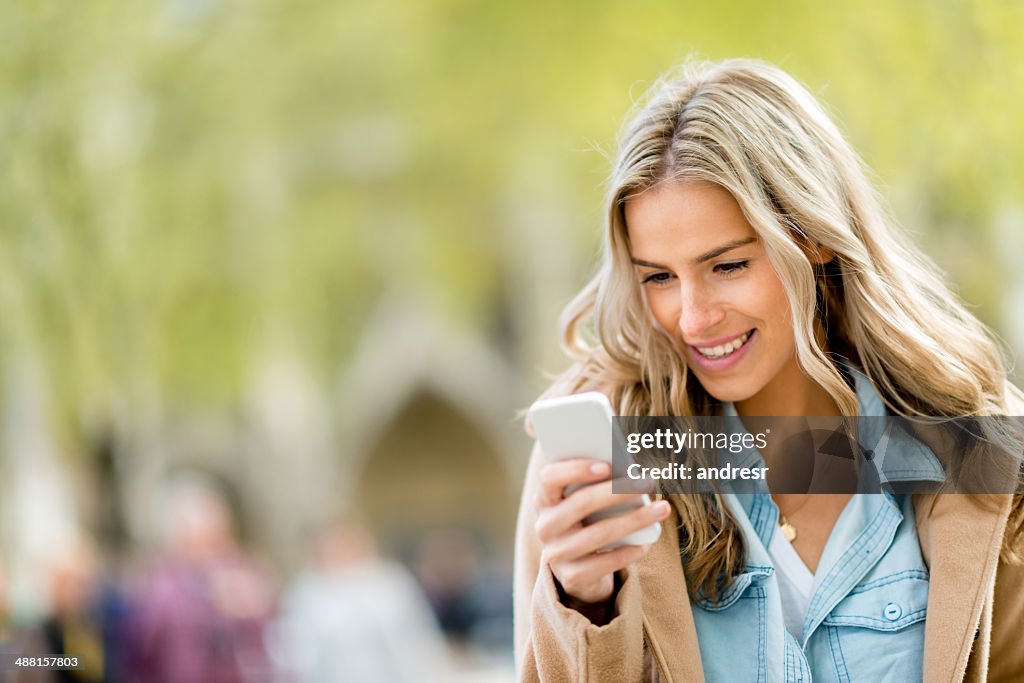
(788, 530)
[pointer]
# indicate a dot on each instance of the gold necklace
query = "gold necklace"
(788, 530)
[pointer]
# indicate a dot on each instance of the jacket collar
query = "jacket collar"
(894, 454)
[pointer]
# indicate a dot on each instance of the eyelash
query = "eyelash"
(725, 270)
(656, 279)
(732, 268)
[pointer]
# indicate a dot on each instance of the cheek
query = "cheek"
(664, 310)
(774, 308)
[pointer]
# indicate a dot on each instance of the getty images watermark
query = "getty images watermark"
(819, 454)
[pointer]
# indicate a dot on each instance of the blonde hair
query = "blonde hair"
(755, 131)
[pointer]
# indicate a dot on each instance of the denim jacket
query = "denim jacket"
(866, 616)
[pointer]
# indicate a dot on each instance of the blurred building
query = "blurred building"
(420, 436)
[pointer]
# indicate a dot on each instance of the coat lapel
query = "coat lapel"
(666, 607)
(961, 536)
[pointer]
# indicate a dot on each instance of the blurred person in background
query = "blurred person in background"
(447, 565)
(74, 625)
(472, 601)
(201, 611)
(354, 616)
(112, 611)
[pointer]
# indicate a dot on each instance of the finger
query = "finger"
(592, 538)
(628, 484)
(595, 497)
(555, 520)
(575, 576)
(554, 477)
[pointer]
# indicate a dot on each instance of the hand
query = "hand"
(572, 550)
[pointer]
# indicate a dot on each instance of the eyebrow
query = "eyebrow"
(707, 256)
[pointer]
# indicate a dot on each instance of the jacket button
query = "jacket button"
(893, 611)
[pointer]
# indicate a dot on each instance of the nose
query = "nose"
(699, 312)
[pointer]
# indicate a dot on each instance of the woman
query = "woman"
(749, 269)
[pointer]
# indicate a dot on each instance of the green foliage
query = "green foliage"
(181, 182)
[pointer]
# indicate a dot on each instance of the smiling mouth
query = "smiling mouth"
(724, 350)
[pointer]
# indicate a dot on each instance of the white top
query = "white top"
(795, 582)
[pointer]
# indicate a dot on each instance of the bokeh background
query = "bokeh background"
(306, 258)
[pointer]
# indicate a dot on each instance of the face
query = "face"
(708, 283)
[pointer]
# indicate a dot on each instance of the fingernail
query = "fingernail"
(660, 509)
(599, 468)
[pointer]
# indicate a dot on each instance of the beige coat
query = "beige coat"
(974, 630)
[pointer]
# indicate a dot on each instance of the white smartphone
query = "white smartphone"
(581, 426)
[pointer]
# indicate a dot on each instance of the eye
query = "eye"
(731, 268)
(657, 279)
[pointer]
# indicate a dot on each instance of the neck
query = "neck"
(790, 393)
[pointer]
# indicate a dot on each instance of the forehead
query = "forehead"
(683, 218)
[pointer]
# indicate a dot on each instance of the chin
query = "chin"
(730, 392)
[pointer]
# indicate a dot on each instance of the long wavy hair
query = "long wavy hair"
(755, 131)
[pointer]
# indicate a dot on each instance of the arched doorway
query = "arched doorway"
(432, 469)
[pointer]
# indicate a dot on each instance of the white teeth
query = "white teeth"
(723, 350)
